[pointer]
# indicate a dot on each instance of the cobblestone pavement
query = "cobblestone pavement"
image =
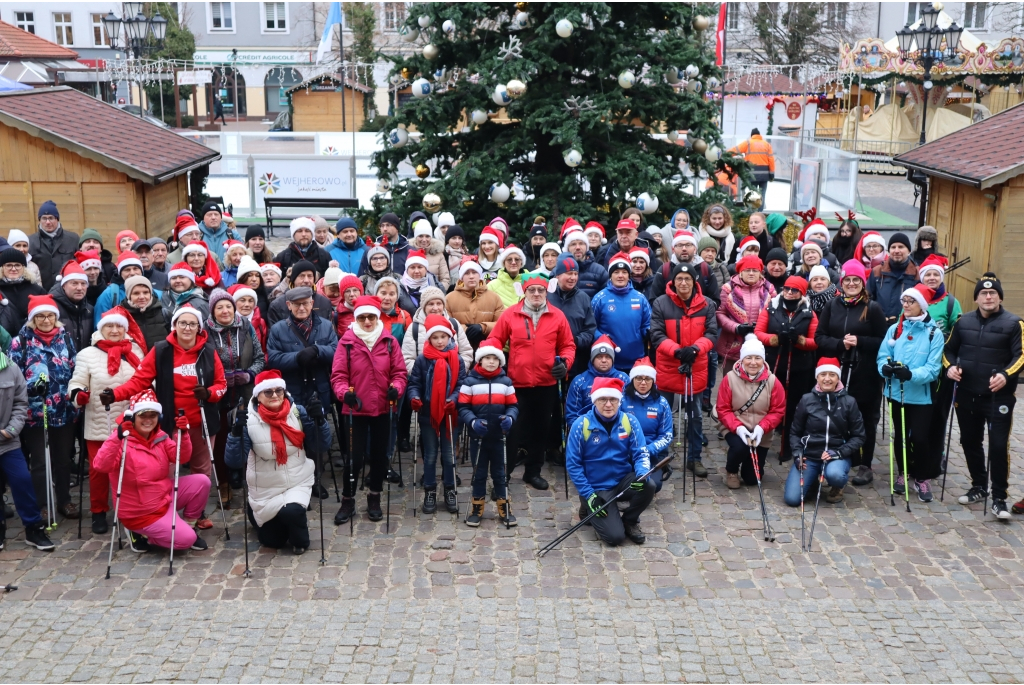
(886, 595)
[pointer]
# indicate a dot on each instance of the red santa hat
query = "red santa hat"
(117, 316)
(568, 226)
(229, 245)
(270, 266)
(933, 262)
(574, 234)
(238, 291)
(185, 224)
(197, 246)
(89, 259)
(143, 402)
(643, 367)
(469, 263)
(41, 304)
(606, 387)
(827, 364)
(435, 323)
(72, 271)
(509, 250)
(748, 242)
(182, 269)
(367, 304)
(640, 253)
(619, 261)
(604, 345)
(211, 272)
(487, 347)
(268, 380)
(684, 236)
(128, 258)
(492, 234)
(595, 228)
(918, 292)
(416, 257)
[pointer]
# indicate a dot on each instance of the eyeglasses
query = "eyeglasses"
(302, 304)
(514, 260)
(46, 316)
(366, 317)
(186, 326)
(790, 290)
(274, 392)
(13, 266)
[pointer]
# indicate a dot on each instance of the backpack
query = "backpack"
(416, 325)
(627, 427)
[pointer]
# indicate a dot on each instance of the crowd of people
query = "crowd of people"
(207, 354)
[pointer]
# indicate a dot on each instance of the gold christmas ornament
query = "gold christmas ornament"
(521, 6)
(422, 170)
(699, 146)
(467, 203)
(406, 73)
(431, 202)
(701, 23)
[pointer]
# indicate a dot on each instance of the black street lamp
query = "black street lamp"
(143, 34)
(927, 40)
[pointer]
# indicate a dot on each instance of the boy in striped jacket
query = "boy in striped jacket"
(487, 406)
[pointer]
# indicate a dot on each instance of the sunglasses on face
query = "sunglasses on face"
(274, 392)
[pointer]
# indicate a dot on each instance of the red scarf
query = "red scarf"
(115, 351)
(47, 338)
(485, 373)
(279, 430)
(439, 391)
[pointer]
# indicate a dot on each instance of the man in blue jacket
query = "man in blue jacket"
(602, 360)
(302, 347)
(890, 279)
(623, 313)
(605, 453)
(215, 231)
(347, 249)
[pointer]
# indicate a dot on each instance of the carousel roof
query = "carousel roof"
(983, 155)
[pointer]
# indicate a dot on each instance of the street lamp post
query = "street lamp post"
(142, 34)
(927, 40)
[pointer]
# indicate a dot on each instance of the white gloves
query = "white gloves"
(757, 435)
(744, 435)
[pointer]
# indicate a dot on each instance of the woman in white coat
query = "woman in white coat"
(110, 361)
(271, 442)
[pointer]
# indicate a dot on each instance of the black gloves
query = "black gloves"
(201, 393)
(744, 329)
(307, 356)
(771, 177)
(902, 372)
(39, 388)
(316, 410)
(351, 399)
(558, 371)
(687, 355)
(475, 334)
(240, 418)
(887, 369)
(107, 397)
(392, 393)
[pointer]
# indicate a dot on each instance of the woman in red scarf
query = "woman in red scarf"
(203, 264)
(272, 442)
(110, 362)
(434, 384)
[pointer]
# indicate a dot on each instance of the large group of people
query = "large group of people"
(207, 353)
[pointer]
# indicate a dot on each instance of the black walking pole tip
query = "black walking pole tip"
(10, 588)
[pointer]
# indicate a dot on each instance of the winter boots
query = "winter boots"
(373, 510)
(476, 512)
(505, 515)
(347, 511)
(99, 523)
(451, 500)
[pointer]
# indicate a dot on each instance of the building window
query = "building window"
(99, 32)
(275, 16)
(222, 17)
(914, 11)
(835, 15)
(26, 21)
(975, 15)
(732, 16)
(62, 33)
(392, 15)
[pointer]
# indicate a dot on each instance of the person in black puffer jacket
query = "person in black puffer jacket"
(16, 290)
(146, 310)
(75, 311)
(851, 328)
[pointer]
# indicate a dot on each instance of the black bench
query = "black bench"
(272, 203)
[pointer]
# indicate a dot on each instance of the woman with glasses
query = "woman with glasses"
(507, 284)
(45, 353)
(850, 328)
(16, 289)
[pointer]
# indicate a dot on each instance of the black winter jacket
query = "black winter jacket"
(14, 303)
(575, 304)
(835, 412)
(152, 322)
(708, 283)
(776, 317)
(51, 254)
(980, 345)
(835, 322)
(313, 253)
(76, 317)
(593, 276)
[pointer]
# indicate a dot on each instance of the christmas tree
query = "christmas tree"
(583, 87)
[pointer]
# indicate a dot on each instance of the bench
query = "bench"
(272, 203)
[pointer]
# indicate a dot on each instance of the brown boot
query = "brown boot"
(732, 480)
(505, 515)
(476, 512)
(225, 495)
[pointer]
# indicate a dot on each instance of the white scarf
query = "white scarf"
(368, 337)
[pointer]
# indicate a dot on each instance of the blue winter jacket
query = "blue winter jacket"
(577, 401)
(487, 399)
(597, 459)
(919, 347)
(56, 359)
(216, 237)
(886, 286)
(575, 304)
(228, 277)
(625, 317)
(283, 346)
(421, 378)
(237, 450)
(112, 296)
(593, 276)
(655, 417)
(347, 256)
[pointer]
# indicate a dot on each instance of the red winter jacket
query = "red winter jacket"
(375, 371)
(776, 406)
(185, 379)
(532, 350)
(676, 324)
(146, 489)
(345, 318)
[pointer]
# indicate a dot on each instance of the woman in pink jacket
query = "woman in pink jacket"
(369, 376)
(145, 506)
(742, 298)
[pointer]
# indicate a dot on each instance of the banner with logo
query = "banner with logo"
(326, 178)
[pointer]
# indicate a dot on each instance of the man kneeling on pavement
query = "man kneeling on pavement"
(605, 453)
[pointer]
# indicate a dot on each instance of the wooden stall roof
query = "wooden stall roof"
(751, 84)
(982, 155)
(333, 78)
(16, 44)
(72, 120)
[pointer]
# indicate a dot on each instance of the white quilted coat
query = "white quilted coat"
(272, 486)
(91, 375)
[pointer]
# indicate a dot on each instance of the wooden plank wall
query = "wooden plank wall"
(162, 203)
(321, 110)
(1009, 243)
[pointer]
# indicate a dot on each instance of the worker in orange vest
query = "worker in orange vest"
(725, 177)
(758, 153)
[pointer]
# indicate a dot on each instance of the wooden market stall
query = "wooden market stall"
(317, 106)
(976, 201)
(105, 168)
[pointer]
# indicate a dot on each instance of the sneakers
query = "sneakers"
(732, 480)
(451, 500)
(975, 494)
(138, 543)
(999, 510)
(429, 500)
(35, 536)
(204, 523)
(924, 490)
(900, 486)
(347, 511)
(373, 510)
(296, 550)
(862, 476)
(199, 545)
(634, 533)
(505, 515)
(99, 523)
(697, 468)
(666, 472)
(476, 512)
(1018, 508)
(834, 495)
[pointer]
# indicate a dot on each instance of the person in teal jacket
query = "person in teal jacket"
(622, 313)
(909, 360)
(347, 249)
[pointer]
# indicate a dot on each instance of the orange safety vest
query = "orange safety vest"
(758, 152)
(731, 185)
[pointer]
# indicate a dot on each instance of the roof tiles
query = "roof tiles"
(18, 44)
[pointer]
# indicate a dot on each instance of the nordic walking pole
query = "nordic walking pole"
(903, 445)
(769, 536)
(351, 470)
(801, 467)
(988, 461)
(821, 480)
(51, 515)
(689, 418)
(82, 456)
(317, 423)
(892, 454)
(116, 530)
(785, 413)
(565, 469)
(455, 478)
(392, 476)
(209, 448)
(949, 436)
(337, 431)
(508, 491)
(174, 497)
(557, 541)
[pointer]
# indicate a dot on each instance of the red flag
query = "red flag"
(720, 34)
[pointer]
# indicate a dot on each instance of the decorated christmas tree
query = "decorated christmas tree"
(551, 109)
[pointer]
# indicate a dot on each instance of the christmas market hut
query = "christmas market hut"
(318, 104)
(976, 201)
(104, 167)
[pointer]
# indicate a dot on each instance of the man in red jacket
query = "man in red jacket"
(541, 350)
(189, 375)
